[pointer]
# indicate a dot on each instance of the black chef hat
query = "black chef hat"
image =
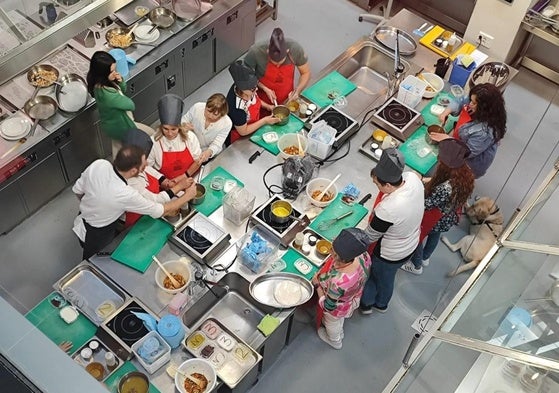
(170, 108)
(453, 152)
(243, 76)
(138, 138)
(277, 50)
(350, 243)
(390, 166)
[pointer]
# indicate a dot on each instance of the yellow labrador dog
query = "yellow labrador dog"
(486, 225)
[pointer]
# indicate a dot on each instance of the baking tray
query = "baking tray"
(386, 35)
(314, 257)
(264, 288)
(98, 356)
(240, 350)
(87, 288)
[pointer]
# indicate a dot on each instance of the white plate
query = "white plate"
(14, 128)
(142, 35)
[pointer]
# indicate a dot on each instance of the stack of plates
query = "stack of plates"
(142, 35)
(14, 128)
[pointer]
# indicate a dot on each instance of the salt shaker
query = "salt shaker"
(86, 354)
(110, 361)
(299, 239)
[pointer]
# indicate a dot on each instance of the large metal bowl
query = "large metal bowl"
(281, 112)
(265, 287)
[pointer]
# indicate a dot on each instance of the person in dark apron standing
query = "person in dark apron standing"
(175, 149)
(274, 64)
(244, 104)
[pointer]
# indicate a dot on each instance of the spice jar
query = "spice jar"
(299, 240)
(110, 361)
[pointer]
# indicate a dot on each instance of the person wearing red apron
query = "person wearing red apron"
(176, 150)
(445, 194)
(244, 104)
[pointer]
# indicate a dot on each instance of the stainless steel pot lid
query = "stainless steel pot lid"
(281, 290)
(386, 35)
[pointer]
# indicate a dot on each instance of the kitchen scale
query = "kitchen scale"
(398, 119)
(344, 125)
(200, 238)
(124, 328)
(286, 231)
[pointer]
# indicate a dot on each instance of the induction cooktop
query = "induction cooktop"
(398, 119)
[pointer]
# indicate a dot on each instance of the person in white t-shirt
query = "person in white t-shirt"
(394, 226)
(210, 123)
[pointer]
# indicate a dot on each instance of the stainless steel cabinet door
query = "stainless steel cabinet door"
(12, 208)
(198, 64)
(234, 35)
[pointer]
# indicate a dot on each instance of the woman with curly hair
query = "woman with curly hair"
(445, 194)
(482, 123)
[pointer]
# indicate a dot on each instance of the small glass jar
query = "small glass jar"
(94, 345)
(299, 240)
(87, 355)
(217, 183)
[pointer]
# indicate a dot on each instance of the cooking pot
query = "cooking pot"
(281, 212)
(282, 113)
(200, 194)
(433, 129)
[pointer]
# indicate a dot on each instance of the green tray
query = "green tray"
(214, 198)
(318, 92)
(417, 143)
(336, 209)
(46, 318)
(290, 257)
(112, 381)
(144, 240)
(294, 125)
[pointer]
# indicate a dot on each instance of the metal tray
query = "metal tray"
(455, 47)
(314, 257)
(386, 35)
(87, 288)
(366, 147)
(98, 356)
(263, 288)
(229, 380)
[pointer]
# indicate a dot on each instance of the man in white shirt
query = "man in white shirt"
(105, 195)
(394, 225)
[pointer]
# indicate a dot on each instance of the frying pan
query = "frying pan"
(161, 17)
(74, 88)
(40, 108)
(34, 75)
(123, 31)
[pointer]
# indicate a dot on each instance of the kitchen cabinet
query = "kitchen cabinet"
(198, 60)
(12, 207)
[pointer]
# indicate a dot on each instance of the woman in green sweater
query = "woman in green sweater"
(107, 86)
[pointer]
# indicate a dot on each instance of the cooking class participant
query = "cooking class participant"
(107, 86)
(445, 193)
(244, 104)
(340, 287)
(147, 181)
(274, 63)
(209, 121)
(105, 194)
(175, 148)
(482, 123)
(394, 226)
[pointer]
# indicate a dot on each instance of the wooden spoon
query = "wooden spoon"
(11, 149)
(300, 148)
(319, 198)
(173, 369)
(129, 34)
(175, 283)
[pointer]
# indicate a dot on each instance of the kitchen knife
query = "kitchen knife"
(365, 199)
(254, 156)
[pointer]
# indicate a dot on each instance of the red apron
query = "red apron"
(153, 186)
(280, 79)
(463, 118)
(330, 261)
(252, 116)
(175, 163)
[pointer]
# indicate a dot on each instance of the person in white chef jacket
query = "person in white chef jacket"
(105, 195)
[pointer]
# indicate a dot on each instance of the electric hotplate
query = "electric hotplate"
(398, 119)
(344, 125)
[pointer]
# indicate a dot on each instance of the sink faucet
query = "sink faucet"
(200, 277)
(394, 79)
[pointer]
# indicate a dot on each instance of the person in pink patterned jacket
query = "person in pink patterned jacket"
(340, 287)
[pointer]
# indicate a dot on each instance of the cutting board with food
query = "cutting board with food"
(337, 209)
(265, 137)
(214, 197)
(446, 43)
(291, 257)
(326, 90)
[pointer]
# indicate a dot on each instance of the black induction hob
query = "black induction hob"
(398, 119)
(344, 125)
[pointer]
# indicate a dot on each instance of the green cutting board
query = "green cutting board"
(318, 92)
(114, 379)
(213, 199)
(46, 318)
(290, 257)
(144, 240)
(416, 146)
(336, 209)
(293, 125)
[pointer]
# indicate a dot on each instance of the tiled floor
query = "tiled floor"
(43, 248)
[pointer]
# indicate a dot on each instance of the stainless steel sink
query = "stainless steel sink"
(234, 308)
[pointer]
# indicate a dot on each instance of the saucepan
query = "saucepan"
(40, 108)
(161, 17)
(120, 37)
(433, 129)
(200, 194)
(41, 76)
(71, 93)
(282, 211)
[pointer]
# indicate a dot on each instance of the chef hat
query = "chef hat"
(243, 76)
(138, 138)
(170, 108)
(390, 166)
(350, 243)
(453, 152)
(277, 50)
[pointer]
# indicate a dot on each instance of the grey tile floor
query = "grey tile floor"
(43, 248)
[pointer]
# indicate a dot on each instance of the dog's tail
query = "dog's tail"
(462, 268)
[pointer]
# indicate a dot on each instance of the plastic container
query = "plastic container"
(288, 140)
(411, 91)
(321, 138)
(237, 204)
(320, 184)
(163, 356)
(257, 249)
(177, 267)
(460, 74)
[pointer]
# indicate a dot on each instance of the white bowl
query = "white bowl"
(200, 366)
(178, 266)
(291, 140)
(320, 184)
(435, 81)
